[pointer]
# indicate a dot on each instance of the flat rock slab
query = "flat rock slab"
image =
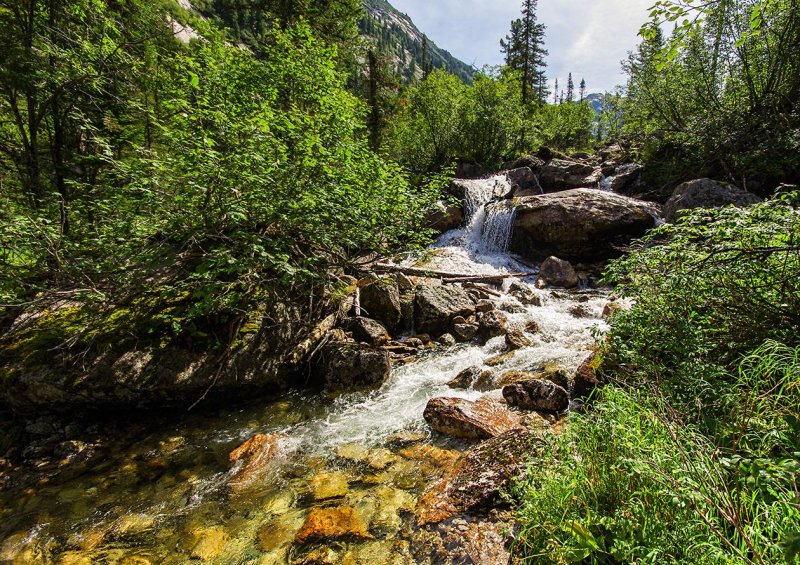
(332, 523)
(485, 418)
(477, 479)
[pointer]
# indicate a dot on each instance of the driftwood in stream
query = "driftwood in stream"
(448, 277)
(482, 290)
(307, 346)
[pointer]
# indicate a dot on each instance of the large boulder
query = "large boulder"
(478, 478)
(625, 180)
(381, 301)
(541, 395)
(562, 174)
(366, 330)
(557, 272)
(251, 460)
(486, 417)
(492, 324)
(435, 307)
(705, 193)
(581, 224)
(524, 182)
(350, 366)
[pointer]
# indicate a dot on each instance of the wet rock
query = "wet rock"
(484, 306)
(478, 477)
(210, 543)
(16, 549)
(388, 552)
(369, 331)
(625, 178)
(465, 332)
(135, 560)
(557, 272)
(436, 306)
(381, 301)
(516, 339)
(533, 162)
(461, 418)
(524, 294)
(466, 540)
(524, 182)
(586, 376)
(498, 360)
(278, 533)
(706, 193)
(447, 340)
(335, 484)
(428, 453)
(318, 556)
(580, 224)
(346, 367)
(405, 439)
(492, 324)
(471, 377)
(80, 558)
(445, 216)
(562, 174)
(323, 524)
(580, 311)
(253, 456)
(537, 394)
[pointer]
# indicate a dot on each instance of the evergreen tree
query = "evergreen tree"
(570, 89)
(525, 53)
(555, 93)
(583, 89)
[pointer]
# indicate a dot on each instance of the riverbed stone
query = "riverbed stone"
(501, 359)
(484, 418)
(586, 379)
(435, 306)
(405, 438)
(324, 524)
(327, 485)
(477, 478)
(255, 455)
(210, 543)
(558, 272)
(342, 367)
(492, 324)
(516, 339)
(381, 301)
(537, 394)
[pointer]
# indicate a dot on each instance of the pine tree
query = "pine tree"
(525, 53)
(570, 89)
(555, 93)
(583, 89)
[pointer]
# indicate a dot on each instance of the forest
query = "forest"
(220, 177)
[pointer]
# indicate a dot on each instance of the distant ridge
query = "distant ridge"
(397, 35)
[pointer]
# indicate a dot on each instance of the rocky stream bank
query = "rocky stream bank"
(429, 388)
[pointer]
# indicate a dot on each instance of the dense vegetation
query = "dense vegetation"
(203, 173)
(719, 97)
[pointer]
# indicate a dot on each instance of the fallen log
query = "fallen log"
(483, 290)
(447, 277)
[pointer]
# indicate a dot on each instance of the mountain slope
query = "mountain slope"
(396, 34)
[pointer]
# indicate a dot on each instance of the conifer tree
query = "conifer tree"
(555, 93)
(570, 89)
(583, 89)
(525, 53)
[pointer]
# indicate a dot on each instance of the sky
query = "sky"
(586, 37)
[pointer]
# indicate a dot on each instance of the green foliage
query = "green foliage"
(723, 91)
(211, 173)
(565, 126)
(692, 455)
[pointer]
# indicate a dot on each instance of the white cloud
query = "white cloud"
(587, 38)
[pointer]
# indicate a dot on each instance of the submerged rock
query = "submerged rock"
(706, 193)
(478, 477)
(472, 378)
(255, 455)
(484, 418)
(210, 543)
(436, 306)
(516, 339)
(335, 484)
(580, 224)
(324, 524)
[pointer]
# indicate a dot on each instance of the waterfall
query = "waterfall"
(497, 227)
(489, 220)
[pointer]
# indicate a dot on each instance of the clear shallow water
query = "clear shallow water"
(165, 496)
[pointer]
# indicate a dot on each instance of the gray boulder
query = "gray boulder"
(435, 307)
(705, 193)
(537, 394)
(445, 216)
(381, 301)
(367, 331)
(346, 366)
(581, 224)
(562, 174)
(558, 272)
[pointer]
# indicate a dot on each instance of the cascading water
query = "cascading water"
(153, 496)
